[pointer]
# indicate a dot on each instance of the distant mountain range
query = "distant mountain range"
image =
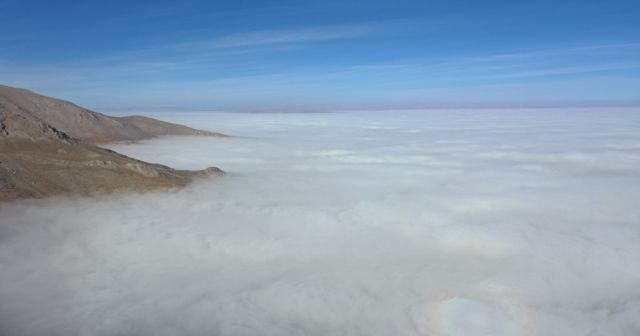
(48, 147)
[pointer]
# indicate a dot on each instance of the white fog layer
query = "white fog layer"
(492, 223)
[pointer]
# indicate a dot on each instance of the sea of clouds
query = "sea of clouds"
(461, 223)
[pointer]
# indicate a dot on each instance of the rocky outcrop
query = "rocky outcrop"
(35, 169)
(38, 159)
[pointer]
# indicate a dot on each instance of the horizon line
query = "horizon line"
(306, 108)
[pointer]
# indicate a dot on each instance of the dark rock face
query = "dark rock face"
(39, 159)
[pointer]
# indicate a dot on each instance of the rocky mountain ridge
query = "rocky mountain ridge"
(47, 148)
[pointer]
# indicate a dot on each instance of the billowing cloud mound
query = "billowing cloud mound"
(398, 223)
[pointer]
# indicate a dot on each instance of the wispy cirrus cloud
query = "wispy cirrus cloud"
(596, 49)
(221, 49)
(299, 35)
(216, 54)
(198, 73)
(285, 36)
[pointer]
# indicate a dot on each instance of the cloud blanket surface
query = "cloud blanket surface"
(468, 222)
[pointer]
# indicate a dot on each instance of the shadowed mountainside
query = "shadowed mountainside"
(46, 149)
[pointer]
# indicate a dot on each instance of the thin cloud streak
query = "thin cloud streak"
(316, 83)
(258, 38)
(571, 51)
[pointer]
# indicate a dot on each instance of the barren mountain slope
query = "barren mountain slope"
(40, 160)
(85, 124)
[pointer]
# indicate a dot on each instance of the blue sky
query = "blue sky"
(263, 54)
